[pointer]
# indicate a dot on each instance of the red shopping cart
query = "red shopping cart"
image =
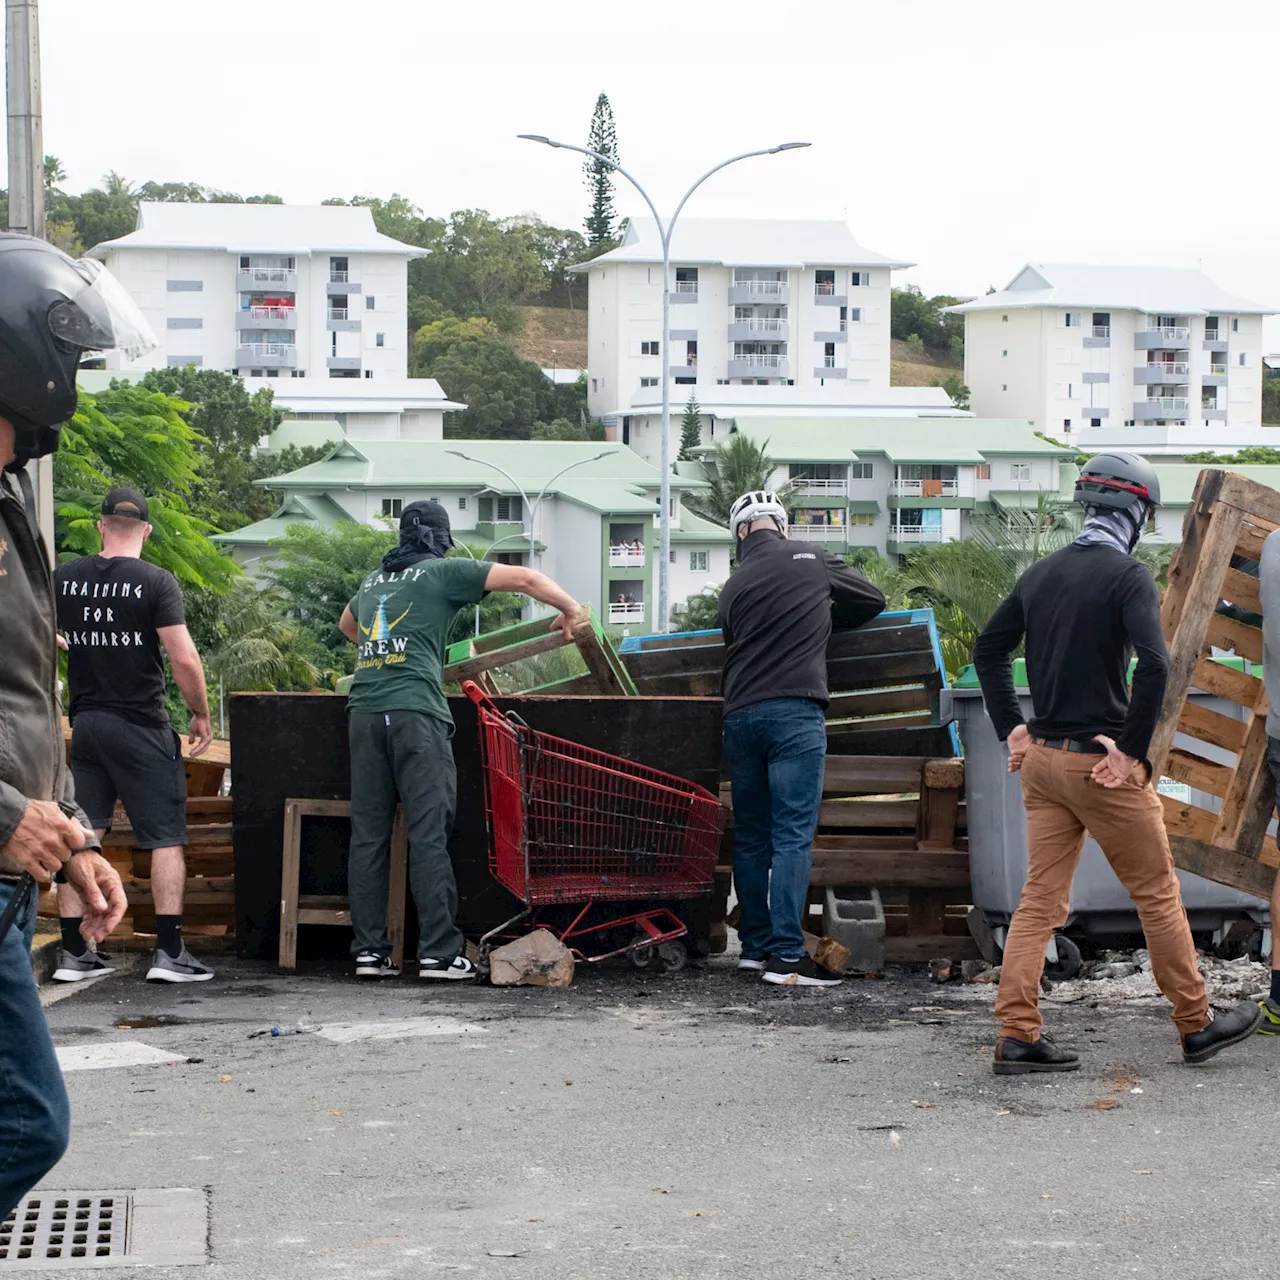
(569, 825)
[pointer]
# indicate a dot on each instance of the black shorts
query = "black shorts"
(141, 765)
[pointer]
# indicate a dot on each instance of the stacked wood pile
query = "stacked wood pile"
(893, 814)
(1213, 603)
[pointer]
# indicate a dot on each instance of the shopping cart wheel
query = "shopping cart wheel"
(642, 957)
(674, 956)
(1068, 963)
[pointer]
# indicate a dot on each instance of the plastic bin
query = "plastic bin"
(998, 835)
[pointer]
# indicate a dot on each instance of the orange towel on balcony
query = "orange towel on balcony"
(931, 488)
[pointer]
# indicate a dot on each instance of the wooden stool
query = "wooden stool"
(324, 908)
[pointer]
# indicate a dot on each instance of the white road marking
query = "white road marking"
(116, 1053)
(405, 1029)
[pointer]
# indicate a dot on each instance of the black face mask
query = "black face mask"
(421, 542)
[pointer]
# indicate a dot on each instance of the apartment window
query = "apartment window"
(650, 348)
(862, 518)
(687, 280)
(1102, 320)
(255, 373)
(1095, 422)
(273, 373)
(698, 561)
(828, 355)
(1071, 320)
(509, 508)
(861, 471)
(860, 278)
(1211, 324)
(1244, 359)
(855, 315)
(339, 272)
(368, 373)
(1004, 386)
(1004, 319)
(824, 283)
(1071, 390)
(380, 340)
(672, 557)
(334, 342)
(462, 503)
(1066, 424)
(595, 384)
(1235, 324)
(1004, 351)
(982, 471)
(370, 302)
(685, 382)
(299, 373)
(1020, 471)
(392, 506)
(671, 507)
(648, 382)
(844, 318)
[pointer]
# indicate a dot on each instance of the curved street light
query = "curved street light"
(664, 233)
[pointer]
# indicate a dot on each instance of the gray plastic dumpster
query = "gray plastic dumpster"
(998, 839)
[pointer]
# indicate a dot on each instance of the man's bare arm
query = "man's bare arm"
(529, 582)
(188, 675)
(347, 624)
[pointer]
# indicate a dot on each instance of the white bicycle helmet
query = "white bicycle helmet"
(763, 504)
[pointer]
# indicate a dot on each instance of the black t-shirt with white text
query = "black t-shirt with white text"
(109, 609)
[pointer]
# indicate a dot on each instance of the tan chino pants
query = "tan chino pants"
(1062, 803)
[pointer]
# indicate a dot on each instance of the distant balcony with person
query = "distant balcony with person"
(1216, 376)
(626, 603)
(684, 288)
(253, 279)
(1161, 372)
(924, 488)
(748, 290)
(818, 524)
(1161, 332)
(626, 546)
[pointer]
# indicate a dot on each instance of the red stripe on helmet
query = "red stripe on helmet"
(1140, 489)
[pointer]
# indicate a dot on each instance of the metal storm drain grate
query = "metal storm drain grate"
(61, 1230)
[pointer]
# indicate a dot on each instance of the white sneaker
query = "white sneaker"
(373, 964)
(78, 968)
(752, 966)
(459, 969)
(181, 968)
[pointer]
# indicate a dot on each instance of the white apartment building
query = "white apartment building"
(754, 303)
(267, 291)
(1079, 348)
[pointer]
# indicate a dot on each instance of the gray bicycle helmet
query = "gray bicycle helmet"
(1116, 481)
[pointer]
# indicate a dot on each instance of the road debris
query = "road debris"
(539, 959)
(895, 1139)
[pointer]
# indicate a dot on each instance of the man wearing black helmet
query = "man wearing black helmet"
(52, 310)
(1084, 611)
(400, 728)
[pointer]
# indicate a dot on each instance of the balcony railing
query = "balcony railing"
(915, 488)
(625, 558)
(760, 361)
(763, 324)
(913, 533)
(765, 288)
(339, 277)
(1210, 404)
(825, 484)
(828, 362)
(1168, 404)
(1218, 370)
(824, 288)
(268, 313)
(1172, 333)
(338, 313)
(269, 275)
(817, 532)
(269, 350)
(1101, 331)
(686, 286)
(1174, 370)
(1214, 335)
(630, 612)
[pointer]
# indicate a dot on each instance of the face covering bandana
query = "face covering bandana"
(421, 542)
(1121, 529)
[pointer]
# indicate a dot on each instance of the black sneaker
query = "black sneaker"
(1022, 1057)
(798, 973)
(1229, 1026)
(373, 964)
(459, 969)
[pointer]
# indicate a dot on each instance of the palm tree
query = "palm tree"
(257, 649)
(116, 185)
(53, 172)
(739, 466)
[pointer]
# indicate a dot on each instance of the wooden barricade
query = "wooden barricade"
(1212, 602)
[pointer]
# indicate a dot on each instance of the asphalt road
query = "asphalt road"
(693, 1125)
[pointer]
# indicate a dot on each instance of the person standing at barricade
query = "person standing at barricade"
(52, 310)
(400, 727)
(777, 612)
(117, 613)
(1083, 611)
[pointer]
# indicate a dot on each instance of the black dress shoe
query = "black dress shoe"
(1227, 1028)
(1021, 1057)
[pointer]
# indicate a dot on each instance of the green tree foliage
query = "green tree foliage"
(739, 466)
(1270, 398)
(690, 428)
(560, 429)
(135, 436)
(1253, 456)
(701, 612)
(602, 138)
(912, 313)
(954, 386)
(54, 173)
(229, 421)
(257, 643)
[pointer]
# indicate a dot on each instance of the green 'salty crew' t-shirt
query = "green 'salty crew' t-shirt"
(403, 622)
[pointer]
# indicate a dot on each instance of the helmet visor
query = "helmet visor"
(102, 317)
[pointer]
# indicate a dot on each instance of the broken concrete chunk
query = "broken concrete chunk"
(971, 970)
(539, 959)
(942, 970)
(989, 975)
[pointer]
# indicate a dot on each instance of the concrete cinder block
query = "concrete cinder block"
(853, 916)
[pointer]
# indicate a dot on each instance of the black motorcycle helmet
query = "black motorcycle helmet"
(1116, 481)
(54, 309)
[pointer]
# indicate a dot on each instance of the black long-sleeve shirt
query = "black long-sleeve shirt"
(1085, 611)
(777, 612)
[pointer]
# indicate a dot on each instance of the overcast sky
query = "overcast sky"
(968, 136)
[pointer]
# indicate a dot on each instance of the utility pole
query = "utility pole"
(26, 174)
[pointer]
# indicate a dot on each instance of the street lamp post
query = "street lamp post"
(473, 555)
(664, 233)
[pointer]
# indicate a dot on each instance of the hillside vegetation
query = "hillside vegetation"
(553, 337)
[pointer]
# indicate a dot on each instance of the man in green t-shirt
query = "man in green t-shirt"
(400, 728)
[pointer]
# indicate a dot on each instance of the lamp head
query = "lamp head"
(538, 137)
(788, 146)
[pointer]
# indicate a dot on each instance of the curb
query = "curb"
(44, 957)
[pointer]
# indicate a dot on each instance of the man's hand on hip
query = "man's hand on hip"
(44, 839)
(199, 734)
(1018, 741)
(1114, 768)
(101, 891)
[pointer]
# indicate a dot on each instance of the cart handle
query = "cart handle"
(476, 694)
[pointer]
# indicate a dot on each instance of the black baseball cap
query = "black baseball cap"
(426, 512)
(125, 502)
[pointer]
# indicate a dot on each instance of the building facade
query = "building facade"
(753, 303)
(1078, 348)
(586, 514)
(266, 291)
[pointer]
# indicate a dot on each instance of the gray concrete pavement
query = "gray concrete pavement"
(695, 1125)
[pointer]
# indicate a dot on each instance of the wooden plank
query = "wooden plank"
(825, 842)
(1246, 806)
(1223, 682)
(208, 808)
(1181, 818)
(927, 911)
(921, 741)
(944, 775)
(311, 915)
(912, 720)
(1224, 866)
(318, 808)
(908, 637)
(1262, 503)
(939, 807)
(879, 670)
(289, 875)
(1204, 725)
(1195, 771)
(920, 950)
(609, 679)
(846, 706)
(859, 814)
(1249, 543)
(469, 668)
(871, 775)
(1241, 589)
(1240, 637)
(901, 868)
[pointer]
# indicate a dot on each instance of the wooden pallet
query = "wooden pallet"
(1225, 526)
(477, 659)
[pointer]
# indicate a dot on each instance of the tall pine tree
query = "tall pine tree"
(690, 428)
(602, 138)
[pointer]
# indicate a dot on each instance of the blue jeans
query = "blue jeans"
(775, 751)
(35, 1117)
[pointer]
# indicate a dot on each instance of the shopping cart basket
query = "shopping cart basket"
(569, 825)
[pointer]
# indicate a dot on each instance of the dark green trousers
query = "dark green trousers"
(404, 757)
